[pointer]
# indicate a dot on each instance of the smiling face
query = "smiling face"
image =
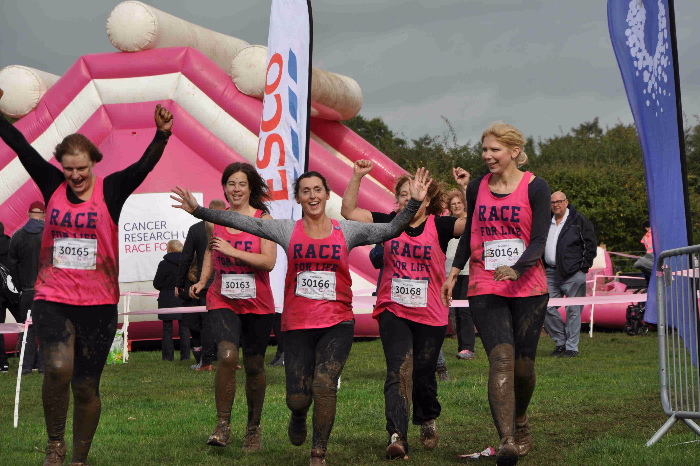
(403, 196)
(497, 156)
(456, 207)
(312, 196)
(77, 169)
(238, 190)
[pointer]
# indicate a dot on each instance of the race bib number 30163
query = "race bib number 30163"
(238, 286)
(316, 285)
(502, 252)
(75, 253)
(410, 293)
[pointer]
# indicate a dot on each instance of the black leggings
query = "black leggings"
(411, 351)
(75, 341)
(510, 330)
(313, 361)
(253, 331)
(463, 316)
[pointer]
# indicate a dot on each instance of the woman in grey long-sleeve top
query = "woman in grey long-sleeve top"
(317, 320)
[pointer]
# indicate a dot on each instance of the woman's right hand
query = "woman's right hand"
(195, 289)
(362, 167)
(187, 201)
(446, 290)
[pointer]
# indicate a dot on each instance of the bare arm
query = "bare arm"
(349, 209)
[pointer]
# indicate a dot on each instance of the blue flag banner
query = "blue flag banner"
(641, 35)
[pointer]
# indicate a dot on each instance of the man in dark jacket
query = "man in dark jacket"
(198, 322)
(165, 281)
(569, 253)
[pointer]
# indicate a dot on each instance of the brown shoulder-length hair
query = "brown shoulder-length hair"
(451, 194)
(436, 205)
(259, 190)
(74, 143)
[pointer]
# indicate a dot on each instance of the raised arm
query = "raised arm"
(349, 209)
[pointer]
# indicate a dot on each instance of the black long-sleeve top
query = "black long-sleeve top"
(539, 197)
(117, 187)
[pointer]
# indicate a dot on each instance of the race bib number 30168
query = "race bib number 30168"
(238, 286)
(316, 285)
(410, 293)
(502, 252)
(75, 253)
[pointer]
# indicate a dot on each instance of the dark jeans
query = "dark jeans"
(463, 316)
(277, 328)
(411, 351)
(313, 361)
(75, 341)
(510, 330)
(253, 331)
(168, 349)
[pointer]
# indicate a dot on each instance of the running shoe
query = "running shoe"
(318, 457)
(251, 441)
(443, 374)
(429, 435)
(55, 453)
(569, 354)
(507, 454)
(558, 351)
(396, 448)
(465, 354)
(194, 367)
(205, 368)
(297, 429)
(279, 361)
(523, 436)
(221, 435)
(4, 369)
(274, 360)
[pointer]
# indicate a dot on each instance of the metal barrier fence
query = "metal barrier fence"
(678, 282)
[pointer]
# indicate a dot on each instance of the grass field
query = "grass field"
(598, 409)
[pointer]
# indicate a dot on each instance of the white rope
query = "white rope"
(19, 369)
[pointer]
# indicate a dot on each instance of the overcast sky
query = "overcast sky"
(540, 65)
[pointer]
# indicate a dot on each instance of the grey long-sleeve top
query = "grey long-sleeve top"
(280, 231)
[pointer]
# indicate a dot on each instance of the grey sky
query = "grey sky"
(537, 64)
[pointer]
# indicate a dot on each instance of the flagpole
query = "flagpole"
(308, 100)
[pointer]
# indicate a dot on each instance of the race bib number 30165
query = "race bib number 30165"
(75, 253)
(502, 252)
(316, 285)
(410, 293)
(238, 286)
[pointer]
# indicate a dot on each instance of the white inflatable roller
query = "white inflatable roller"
(134, 26)
(24, 87)
(334, 97)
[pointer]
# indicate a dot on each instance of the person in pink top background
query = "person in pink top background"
(504, 239)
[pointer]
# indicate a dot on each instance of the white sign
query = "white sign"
(146, 224)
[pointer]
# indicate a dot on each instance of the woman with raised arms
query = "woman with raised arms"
(318, 319)
(412, 319)
(507, 226)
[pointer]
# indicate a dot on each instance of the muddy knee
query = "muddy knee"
(324, 386)
(525, 368)
(254, 364)
(59, 369)
(298, 402)
(502, 358)
(228, 355)
(84, 391)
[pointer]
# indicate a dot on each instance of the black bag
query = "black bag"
(8, 291)
(635, 324)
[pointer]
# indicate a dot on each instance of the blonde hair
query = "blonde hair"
(509, 136)
(451, 194)
(174, 246)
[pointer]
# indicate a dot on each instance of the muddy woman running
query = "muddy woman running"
(507, 225)
(317, 322)
(77, 289)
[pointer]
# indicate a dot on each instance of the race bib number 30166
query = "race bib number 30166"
(502, 252)
(75, 253)
(410, 293)
(238, 286)
(316, 285)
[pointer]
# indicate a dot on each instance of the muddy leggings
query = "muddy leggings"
(510, 330)
(313, 361)
(411, 351)
(230, 330)
(75, 341)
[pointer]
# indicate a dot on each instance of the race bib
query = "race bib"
(502, 252)
(316, 285)
(238, 286)
(75, 253)
(411, 293)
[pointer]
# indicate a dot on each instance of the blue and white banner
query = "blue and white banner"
(641, 35)
(284, 130)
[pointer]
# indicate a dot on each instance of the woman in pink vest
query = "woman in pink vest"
(318, 319)
(240, 302)
(412, 318)
(77, 289)
(505, 236)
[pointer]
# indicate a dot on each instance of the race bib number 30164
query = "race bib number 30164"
(238, 286)
(75, 253)
(502, 252)
(316, 285)
(410, 293)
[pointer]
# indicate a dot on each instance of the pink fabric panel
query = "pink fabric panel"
(98, 126)
(131, 65)
(360, 263)
(66, 89)
(13, 212)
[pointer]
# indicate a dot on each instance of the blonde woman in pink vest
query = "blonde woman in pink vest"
(504, 240)
(77, 289)
(412, 318)
(318, 321)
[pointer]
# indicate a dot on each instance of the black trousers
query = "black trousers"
(201, 330)
(466, 335)
(167, 346)
(277, 328)
(411, 351)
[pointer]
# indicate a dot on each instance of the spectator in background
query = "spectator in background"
(4, 302)
(569, 253)
(24, 252)
(646, 263)
(199, 324)
(164, 282)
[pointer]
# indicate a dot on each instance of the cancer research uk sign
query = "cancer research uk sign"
(146, 224)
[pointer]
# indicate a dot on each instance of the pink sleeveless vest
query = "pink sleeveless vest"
(414, 271)
(317, 291)
(256, 283)
(79, 260)
(502, 218)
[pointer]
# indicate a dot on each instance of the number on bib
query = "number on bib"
(410, 293)
(75, 253)
(238, 286)
(502, 252)
(316, 285)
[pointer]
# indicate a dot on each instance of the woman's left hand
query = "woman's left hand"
(187, 201)
(420, 184)
(504, 273)
(164, 119)
(223, 246)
